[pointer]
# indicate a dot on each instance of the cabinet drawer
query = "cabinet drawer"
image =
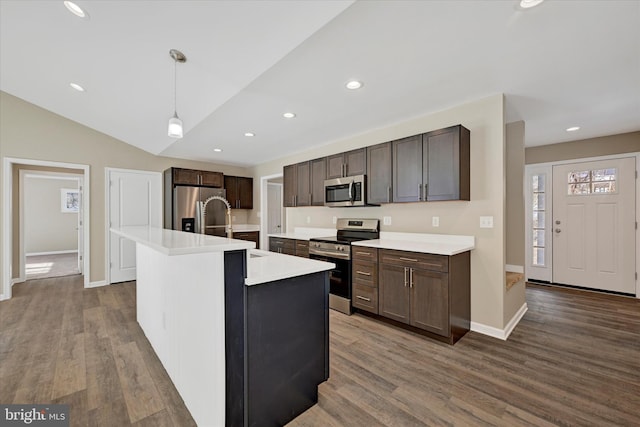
(415, 260)
(364, 254)
(365, 298)
(302, 248)
(284, 246)
(365, 273)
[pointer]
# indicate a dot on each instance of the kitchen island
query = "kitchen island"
(243, 334)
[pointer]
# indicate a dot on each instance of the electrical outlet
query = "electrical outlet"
(308, 220)
(486, 222)
(386, 220)
(335, 219)
(435, 221)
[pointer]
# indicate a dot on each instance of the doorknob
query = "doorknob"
(557, 222)
(558, 230)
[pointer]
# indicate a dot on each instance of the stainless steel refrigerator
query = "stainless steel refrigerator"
(186, 213)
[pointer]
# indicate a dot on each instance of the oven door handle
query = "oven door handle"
(329, 254)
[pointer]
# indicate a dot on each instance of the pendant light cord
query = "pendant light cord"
(175, 86)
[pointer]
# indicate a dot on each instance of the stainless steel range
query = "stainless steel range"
(338, 251)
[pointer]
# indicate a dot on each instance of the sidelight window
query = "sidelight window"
(590, 182)
(538, 187)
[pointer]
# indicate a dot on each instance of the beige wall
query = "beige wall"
(30, 132)
(514, 230)
(47, 228)
(484, 118)
(580, 149)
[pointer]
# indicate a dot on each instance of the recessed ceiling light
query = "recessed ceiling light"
(573, 128)
(288, 115)
(528, 4)
(353, 84)
(249, 134)
(218, 150)
(77, 87)
(75, 9)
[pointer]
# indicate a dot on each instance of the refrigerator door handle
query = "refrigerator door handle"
(199, 224)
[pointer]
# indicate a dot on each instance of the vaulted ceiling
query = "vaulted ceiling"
(561, 64)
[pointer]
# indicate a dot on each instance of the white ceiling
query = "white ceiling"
(561, 64)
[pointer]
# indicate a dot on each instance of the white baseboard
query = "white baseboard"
(501, 334)
(96, 284)
(3, 297)
(17, 280)
(73, 251)
(514, 268)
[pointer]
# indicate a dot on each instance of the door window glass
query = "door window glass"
(538, 186)
(596, 181)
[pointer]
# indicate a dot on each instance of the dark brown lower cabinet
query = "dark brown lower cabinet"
(252, 236)
(428, 293)
(283, 245)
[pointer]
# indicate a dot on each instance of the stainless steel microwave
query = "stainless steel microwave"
(346, 191)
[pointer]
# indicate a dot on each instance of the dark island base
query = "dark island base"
(277, 345)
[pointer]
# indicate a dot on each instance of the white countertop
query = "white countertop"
(305, 233)
(172, 242)
(245, 227)
(439, 244)
(266, 267)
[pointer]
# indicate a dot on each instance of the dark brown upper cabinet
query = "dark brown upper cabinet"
(379, 173)
(297, 184)
(239, 191)
(432, 166)
(197, 177)
(318, 176)
(350, 163)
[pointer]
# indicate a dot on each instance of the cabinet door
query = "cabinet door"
(407, 169)
(430, 301)
(379, 173)
(303, 195)
(446, 164)
(211, 179)
(185, 177)
(231, 189)
(302, 248)
(394, 293)
(318, 175)
(290, 185)
(356, 162)
(245, 192)
(335, 166)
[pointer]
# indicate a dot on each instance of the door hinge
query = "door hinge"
(80, 257)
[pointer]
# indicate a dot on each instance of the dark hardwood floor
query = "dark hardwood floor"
(574, 359)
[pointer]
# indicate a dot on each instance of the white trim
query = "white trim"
(501, 334)
(514, 268)
(96, 284)
(7, 231)
(587, 159)
(51, 175)
(72, 251)
(17, 280)
(264, 214)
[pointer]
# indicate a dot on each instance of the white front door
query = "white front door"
(593, 225)
(80, 226)
(135, 198)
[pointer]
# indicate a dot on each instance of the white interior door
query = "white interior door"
(594, 224)
(135, 198)
(274, 203)
(80, 226)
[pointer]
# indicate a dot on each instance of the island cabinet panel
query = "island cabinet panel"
(318, 176)
(350, 163)
(426, 292)
(239, 191)
(379, 173)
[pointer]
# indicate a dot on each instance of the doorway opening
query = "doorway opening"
(50, 224)
(272, 218)
(13, 261)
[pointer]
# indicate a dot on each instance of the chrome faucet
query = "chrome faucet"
(203, 210)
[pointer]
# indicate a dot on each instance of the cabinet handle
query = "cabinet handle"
(363, 253)
(363, 298)
(419, 191)
(364, 273)
(408, 259)
(405, 277)
(411, 278)
(311, 198)
(389, 194)
(344, 169)
(426, 191)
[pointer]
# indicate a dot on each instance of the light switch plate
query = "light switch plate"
(335, 219)
(486, 222)
(386, 220)
(435, 221)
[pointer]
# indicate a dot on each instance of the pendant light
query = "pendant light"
(175, 124)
